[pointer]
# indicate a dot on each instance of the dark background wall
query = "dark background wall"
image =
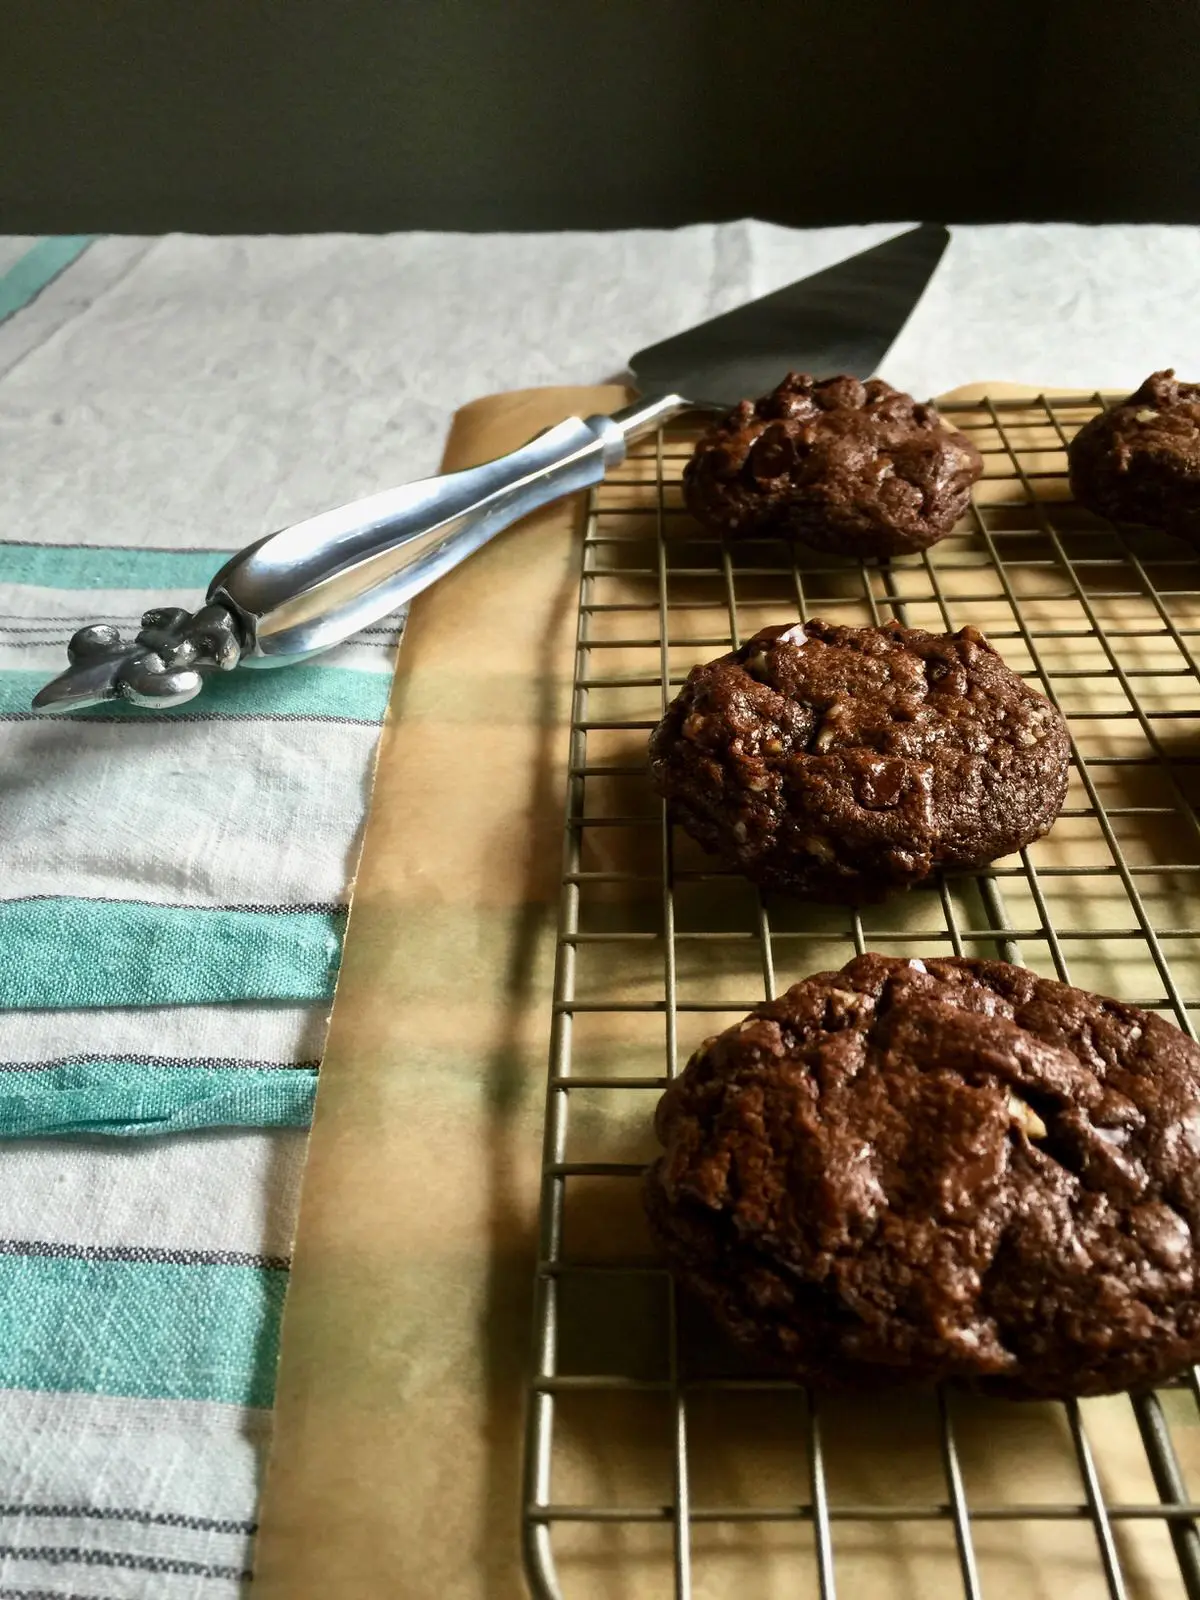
(237, 115)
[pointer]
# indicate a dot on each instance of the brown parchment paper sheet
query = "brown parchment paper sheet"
(399, 1412)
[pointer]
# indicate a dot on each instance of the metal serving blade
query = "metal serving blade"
(843, 319)
(310, 586)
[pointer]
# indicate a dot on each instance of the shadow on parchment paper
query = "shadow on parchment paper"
(516, 1078)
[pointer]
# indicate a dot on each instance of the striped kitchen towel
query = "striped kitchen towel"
(175, 883)
(172, 901)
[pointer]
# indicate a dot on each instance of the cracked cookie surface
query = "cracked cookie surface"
(941, 1169)
(860, 469)
(841, 763)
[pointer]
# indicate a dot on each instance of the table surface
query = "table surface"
(181, 392)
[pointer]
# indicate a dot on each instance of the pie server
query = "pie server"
(308, 587)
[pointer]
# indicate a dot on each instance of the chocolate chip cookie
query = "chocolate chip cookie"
(855, 468)
(1140, 462)
(840, 763)
(941, 1169)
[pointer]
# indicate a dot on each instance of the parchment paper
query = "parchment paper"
(396, 1463)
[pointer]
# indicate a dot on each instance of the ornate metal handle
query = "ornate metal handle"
(166, 663)
(319, 581)
(314, 584)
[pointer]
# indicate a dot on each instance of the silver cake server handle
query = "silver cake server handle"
(309, 587)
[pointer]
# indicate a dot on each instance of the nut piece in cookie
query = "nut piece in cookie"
(841, 763)
(856, 468)
(1140, 462)
(941, 1169)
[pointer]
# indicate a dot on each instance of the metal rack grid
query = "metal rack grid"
(629, 1486)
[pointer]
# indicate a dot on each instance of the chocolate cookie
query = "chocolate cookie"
(840, 763)
(1140, 462)
(941, 1169)
(856, 468)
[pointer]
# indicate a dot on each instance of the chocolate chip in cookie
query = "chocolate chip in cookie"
(941, 1169)
(856, 468)
(841, 763)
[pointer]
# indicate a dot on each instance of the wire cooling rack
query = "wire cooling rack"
(657, 1461)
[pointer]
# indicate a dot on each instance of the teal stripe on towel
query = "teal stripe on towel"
(40, 265)
(128, 1099)
(59, 566)
(308, 691)
(155, 1330)
(65, 953)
